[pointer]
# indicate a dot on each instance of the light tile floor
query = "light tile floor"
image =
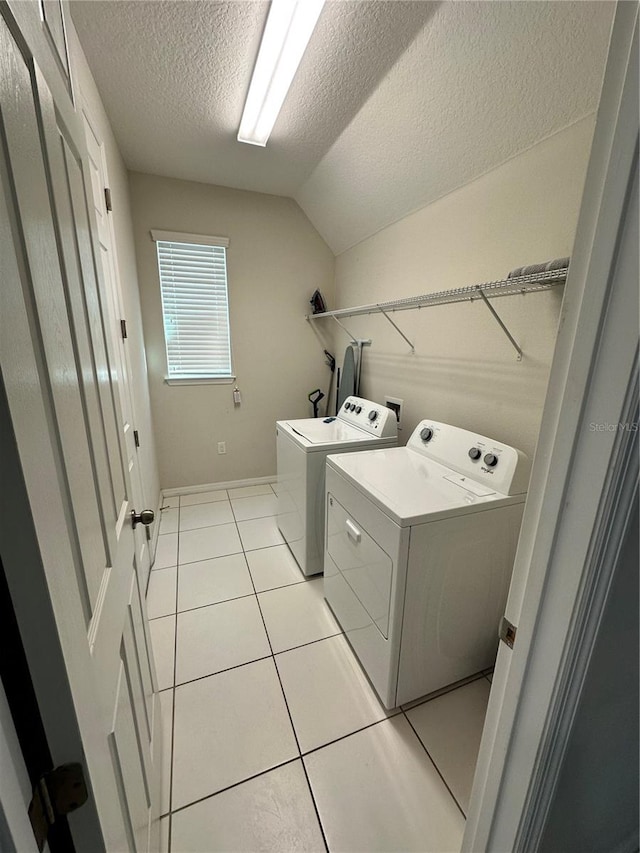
(275, 740)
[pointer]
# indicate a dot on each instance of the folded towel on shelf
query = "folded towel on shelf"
(533, 269)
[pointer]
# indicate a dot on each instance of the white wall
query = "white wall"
(276, 259)
(125, 259)
(464, 370)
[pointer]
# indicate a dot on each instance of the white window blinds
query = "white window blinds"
(195, 308)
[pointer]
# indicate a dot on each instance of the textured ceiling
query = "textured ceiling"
(174, 76)
(481, 83)
(395, 104)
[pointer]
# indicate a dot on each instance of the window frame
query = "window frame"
(160, 236)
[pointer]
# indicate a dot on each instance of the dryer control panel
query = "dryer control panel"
(497, 467)
(372, 417)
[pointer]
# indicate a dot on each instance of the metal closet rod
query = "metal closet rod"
(531, 283)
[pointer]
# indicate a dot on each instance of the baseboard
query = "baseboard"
(212, 487)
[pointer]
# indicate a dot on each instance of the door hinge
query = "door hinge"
(508, 632)
(57, 793)
(123, 328)
(136, 437)
(107, 199)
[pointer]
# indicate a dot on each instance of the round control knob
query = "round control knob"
(426, 434)
(373, 415)
(347, 406)
(475, 453)
(491, 460)
(358, 409)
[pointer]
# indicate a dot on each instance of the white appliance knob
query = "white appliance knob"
(426, 434)
(373, 415)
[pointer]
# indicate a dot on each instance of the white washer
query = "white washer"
(302, 447)
(420, 544)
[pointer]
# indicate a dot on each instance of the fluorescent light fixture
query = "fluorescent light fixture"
(286, 35)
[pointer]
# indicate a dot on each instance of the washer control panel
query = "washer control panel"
(372, 417)
(497, 466)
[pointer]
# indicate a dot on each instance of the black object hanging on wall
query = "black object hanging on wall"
(317, 303)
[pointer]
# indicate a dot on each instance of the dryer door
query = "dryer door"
(365, 567)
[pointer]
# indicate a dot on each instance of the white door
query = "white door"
(115, 339)
(580, 496)
(71, 556)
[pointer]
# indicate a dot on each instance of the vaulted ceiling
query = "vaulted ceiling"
(396, 103)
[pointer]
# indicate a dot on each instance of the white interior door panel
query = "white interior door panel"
(64, 391)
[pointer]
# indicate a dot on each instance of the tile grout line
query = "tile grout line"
(253, 660)
(264, 547)
(443, 691)
(219, 523)
(236, 784)
(286, 704)
(237, 598)
(222, 671)
(396, 713)
(315, 805)
(295, 734)
(309, 643)
(204, 503)
(173, 688)
(437, 769)
(302, 755)
(245, 552)
(202, 606)
(202, 560)
(284, 764)
(273, 655)
(225, 600)
(349, 734)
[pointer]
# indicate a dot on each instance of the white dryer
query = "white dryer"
(302, 448)
(420, 544)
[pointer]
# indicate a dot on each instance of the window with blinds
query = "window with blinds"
(195, 307)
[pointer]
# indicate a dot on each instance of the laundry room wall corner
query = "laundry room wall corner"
(464, 370)
(275, 261)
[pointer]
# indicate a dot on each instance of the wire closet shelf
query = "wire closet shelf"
(531, 283)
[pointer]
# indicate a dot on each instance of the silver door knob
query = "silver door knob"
(144, 517)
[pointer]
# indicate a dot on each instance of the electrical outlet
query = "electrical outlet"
(222, 447)
(395, 404)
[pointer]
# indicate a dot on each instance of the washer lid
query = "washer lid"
(315, 434)
(411, 488)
